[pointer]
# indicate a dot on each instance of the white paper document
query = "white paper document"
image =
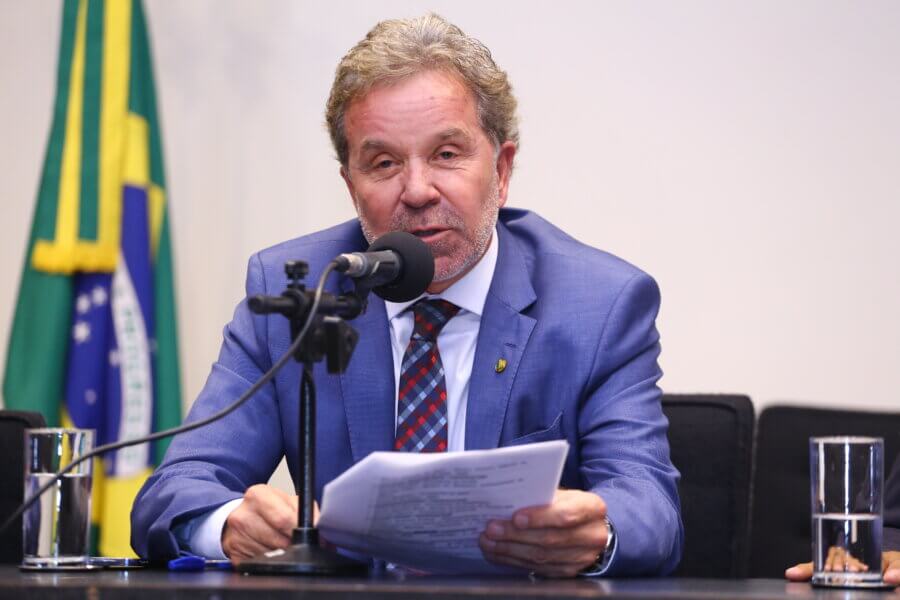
(426, 511)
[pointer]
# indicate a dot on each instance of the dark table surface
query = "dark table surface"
(157, 585)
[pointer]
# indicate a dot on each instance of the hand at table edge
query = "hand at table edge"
(890, 563)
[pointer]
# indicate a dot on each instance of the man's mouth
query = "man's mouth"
(425, 234)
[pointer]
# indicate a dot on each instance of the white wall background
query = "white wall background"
(747, 154)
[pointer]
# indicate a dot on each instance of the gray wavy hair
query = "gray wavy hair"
(400, 48)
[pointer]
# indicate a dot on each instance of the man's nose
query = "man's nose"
(418, 187)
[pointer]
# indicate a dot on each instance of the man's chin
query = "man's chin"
(448, 270)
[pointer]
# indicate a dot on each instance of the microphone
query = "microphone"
(398, 266)
(383, 265)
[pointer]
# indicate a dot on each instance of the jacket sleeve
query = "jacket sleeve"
(622, 434)
(212, 465)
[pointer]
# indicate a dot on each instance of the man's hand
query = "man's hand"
(262, 522)
(839, 559)
(557, 540)
(890, 562)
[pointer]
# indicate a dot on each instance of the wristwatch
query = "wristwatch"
(604, 557)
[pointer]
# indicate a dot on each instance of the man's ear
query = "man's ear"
(505, 157)
(345, 175)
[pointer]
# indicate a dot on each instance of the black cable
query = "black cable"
(196, 424)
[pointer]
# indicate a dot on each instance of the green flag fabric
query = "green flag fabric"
(94, 338)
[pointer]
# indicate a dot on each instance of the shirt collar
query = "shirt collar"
(469, 293)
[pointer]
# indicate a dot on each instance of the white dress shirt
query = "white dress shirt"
(456, 343)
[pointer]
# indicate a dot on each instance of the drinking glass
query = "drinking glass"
(847, 481)
(56, 527)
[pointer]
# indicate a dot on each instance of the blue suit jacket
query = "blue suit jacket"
(576, 327)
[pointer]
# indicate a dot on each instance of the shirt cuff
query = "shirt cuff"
(606, 559)
(205, 538)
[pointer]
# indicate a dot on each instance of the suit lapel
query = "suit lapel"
(368, 384)
(367, 387)
(503, 335)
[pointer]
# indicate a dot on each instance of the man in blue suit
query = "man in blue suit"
(540, 338)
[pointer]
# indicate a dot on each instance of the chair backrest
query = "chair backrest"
(711, 440)
(781, 520)
(12, 472)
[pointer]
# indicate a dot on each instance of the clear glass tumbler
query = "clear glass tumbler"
(847, 482)
(56, 528)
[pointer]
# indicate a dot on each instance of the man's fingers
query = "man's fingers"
(569, 508)
(275, 506)
(509, 561)
(264, 496)
(590, 534)
(891, 560)
(839, 560)
(250, 525)
(244, 548)
(554, 571)
(262, 522)
(545, 569)
(237, 547)
(801, 572)
(539, 555)
(273, 491)
(535, 556)
(557, 540)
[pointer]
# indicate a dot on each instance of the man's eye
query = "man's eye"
(384, 164)
(446, 155)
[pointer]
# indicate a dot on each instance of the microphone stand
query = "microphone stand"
(329, 337)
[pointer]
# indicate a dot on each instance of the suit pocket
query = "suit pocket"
(554, 432)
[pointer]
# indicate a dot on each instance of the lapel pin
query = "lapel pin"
(501, 365)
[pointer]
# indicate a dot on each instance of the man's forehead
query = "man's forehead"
(444, 78)
(452, 134)
(431, 106)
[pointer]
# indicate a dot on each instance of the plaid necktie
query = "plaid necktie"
(422, 397)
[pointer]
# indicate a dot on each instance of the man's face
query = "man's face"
(420, 162)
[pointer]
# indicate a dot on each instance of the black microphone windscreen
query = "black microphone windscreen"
(417, 268)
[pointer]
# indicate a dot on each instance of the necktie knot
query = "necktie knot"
(430, 316)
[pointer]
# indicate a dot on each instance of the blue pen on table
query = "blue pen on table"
(192, 562)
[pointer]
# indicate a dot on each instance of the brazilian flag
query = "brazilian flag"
(93, 343)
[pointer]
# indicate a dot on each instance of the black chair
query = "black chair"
(12, 471)
(781, 520)
(711, 441)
